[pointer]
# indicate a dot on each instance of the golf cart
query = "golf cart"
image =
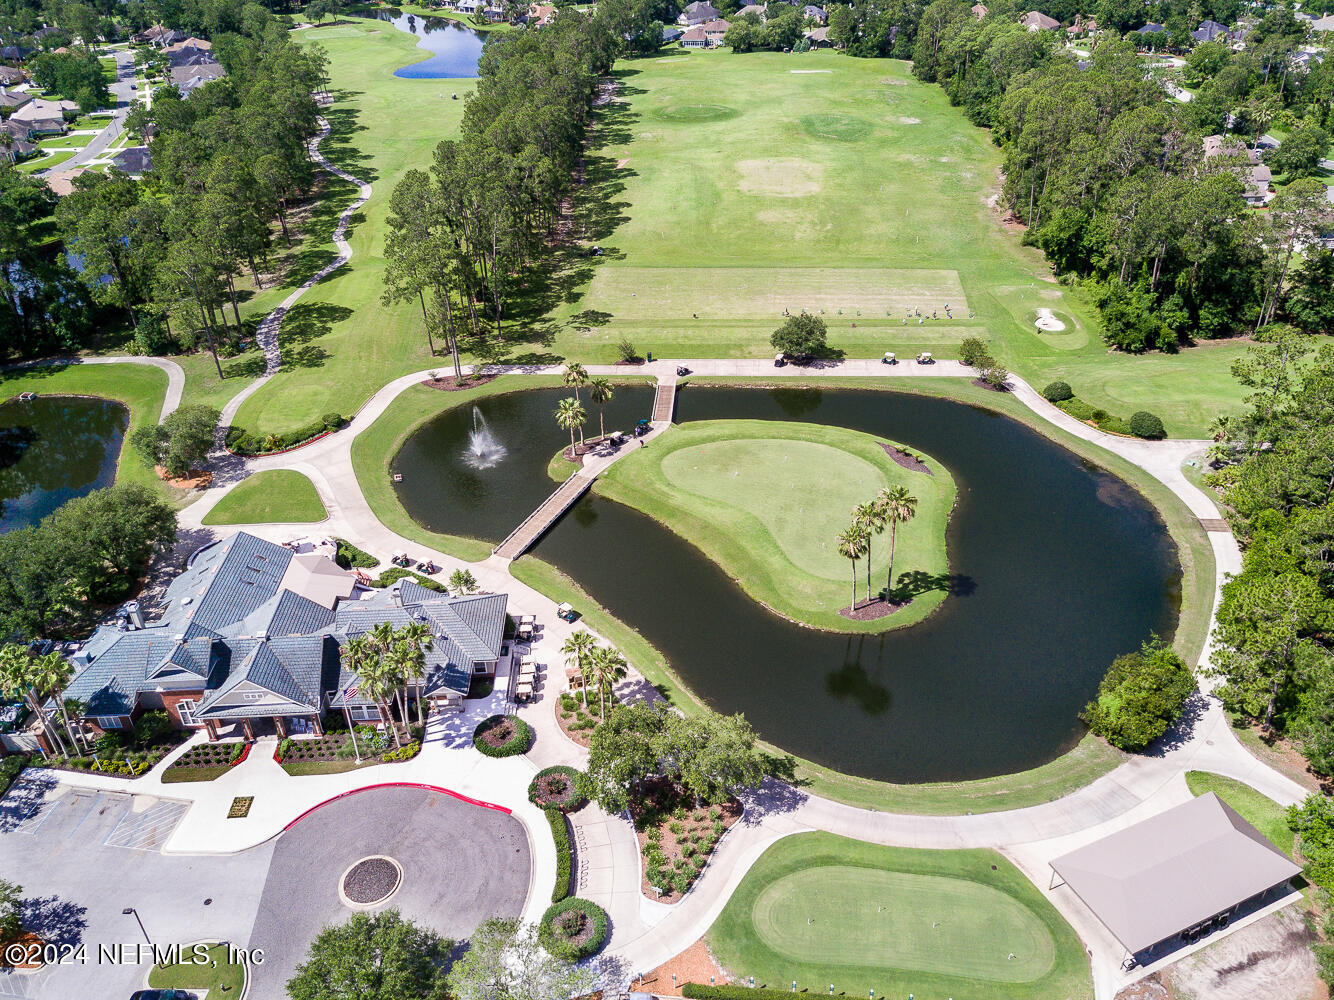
(682, 370)
(889, 359)
(779, 361)
(925, 358)
(642, 427)
(566, 613)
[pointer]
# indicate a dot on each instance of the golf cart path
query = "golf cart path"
(175, 374)
(647, 933)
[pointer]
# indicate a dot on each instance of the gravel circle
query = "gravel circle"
(371, 881)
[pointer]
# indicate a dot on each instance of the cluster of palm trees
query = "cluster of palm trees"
(35, 680)
(570, 413)
(387, 661)
(599, 666)
(890, 507)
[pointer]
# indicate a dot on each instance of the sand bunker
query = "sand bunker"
(1047, 321)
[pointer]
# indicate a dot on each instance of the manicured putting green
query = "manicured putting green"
(920, 922)
(278, 495)
(821, 909)
(767, 499)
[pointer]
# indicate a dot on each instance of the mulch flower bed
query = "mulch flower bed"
(868, 611)
(450, 384)
(906, 459)
(212, 755)
(371, 880)
(676, 837)
(557, 788)
(983, 384)
(576, 721)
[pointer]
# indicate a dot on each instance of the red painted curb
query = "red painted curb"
(400, 784)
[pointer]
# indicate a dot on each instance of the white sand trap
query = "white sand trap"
(910, 121)
(810, 71)
(780, 178)
(1047, 321)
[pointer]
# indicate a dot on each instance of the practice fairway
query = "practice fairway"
(278, 495)
(767, 500)
(821, 909)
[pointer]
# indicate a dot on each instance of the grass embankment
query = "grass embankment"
(1260, 811)
(340, 343)
(141, 388)
(821, 909)
(219, 975)
(276, 495)
(766, 500)
(729, 211)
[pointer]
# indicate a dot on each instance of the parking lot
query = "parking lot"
(83, 857)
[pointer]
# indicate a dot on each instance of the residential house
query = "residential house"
(1323, 24)
(755, 9)
(179, 53)
(14, 149)
(714, 31)
(1209, 31)
(979, 10)
(694, 38)
(13, 99)
(816, 14)
(1256, 176)
(819, 38)
(698, 12)
(13, 53)
(1082, 26)
(493, 13)
(1152, 28)
(44, 32)
(670, 34)
(10, 75)
(44, 117)
(134, 160)
(1037, 21)
(191, 77)
(541, 13)
(250, 638)
(470, 7)
(158, 36)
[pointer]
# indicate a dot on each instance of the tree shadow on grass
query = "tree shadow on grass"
(339, 148)
(304, 323)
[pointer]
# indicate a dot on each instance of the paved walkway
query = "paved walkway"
(175, 374)
(647, 933)
(266, 334)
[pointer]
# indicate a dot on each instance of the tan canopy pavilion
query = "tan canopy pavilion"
(1182, 872)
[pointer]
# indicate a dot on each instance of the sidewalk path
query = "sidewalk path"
(647, 933)
(175, 374)
(266, 334)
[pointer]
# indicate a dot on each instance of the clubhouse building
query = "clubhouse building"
(249, 642)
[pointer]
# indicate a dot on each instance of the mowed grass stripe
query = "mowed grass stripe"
(922, 922)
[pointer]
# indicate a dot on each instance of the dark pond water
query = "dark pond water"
(55, 448)
(454, 47)
(1056, 568)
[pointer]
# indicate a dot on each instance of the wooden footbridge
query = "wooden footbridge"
(518, 541)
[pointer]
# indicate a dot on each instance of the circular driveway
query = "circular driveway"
(462, 864)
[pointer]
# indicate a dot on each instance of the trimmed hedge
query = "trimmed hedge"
(515, 745)
(560, 833)
(240, 442)
(697, 991)
(349, 556)
(1055, 392)
(396, 573)
(561, 947)
(10, 768)
(574, 799)
(1144, 424)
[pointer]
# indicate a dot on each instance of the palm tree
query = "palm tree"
(898, 505)
(575, 376)
(569, 415)
(600, 392)
(606, 666)
(419, 637)
(852, 545)
(870, 517)
(17, 680)
(1220, 428)
(53, 673)
(462, 582)
(363, 658)
(577, 650)
(382, 637)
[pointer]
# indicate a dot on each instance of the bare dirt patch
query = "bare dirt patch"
(1271, 959)
(620, 164)
(910, 121)
(908, 461)
(788, 177)
(451, 384)
(196, 479)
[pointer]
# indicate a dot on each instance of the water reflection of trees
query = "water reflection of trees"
(57, 443)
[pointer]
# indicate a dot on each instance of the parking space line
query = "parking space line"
(149, 830)
(129, 806)
(91, 806)
(45, 816)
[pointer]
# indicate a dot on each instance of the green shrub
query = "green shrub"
(518, 743)
(1144, 424)
(560, 787)
(406, 752)
(332, 421)
(10, 768)
(974, 352)
(108, 745)
(695, 991)
(1142, 694)
(626, 350)
(237, 750)
(560, 833)
(396, 573)
(349, 556)
(556, 939)
(1077, 408)
(151, 727)
(1057, 392)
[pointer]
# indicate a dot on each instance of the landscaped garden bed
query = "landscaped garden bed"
(122, 753)
(335, 752)
(676, 838)
(503, 736)
(577, 720)
(558, 787)
(207, 761)
(573, 928)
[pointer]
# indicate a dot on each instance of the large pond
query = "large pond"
(1056, 568)
(55, 448)
(455, 48)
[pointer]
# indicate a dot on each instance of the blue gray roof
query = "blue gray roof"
(295, 669)
(226, 583)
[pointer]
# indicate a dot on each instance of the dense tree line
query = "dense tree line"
(76, 76)
(1114, 186)
(489, 206)
(226, 163)
(1276, 475)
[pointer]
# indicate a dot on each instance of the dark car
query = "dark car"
(163, 995)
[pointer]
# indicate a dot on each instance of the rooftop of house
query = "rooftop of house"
(1039, 21)
(135, 160)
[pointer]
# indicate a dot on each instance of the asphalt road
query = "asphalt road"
(124, 93)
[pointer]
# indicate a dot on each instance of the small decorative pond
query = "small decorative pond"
(455, 48)
(1055, 568)
(53, 449)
